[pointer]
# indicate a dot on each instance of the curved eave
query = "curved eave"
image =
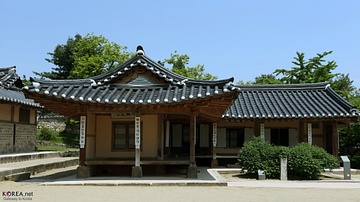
(138, 60)
(217, 103)
(8, 76)
(300, 101)
(127, 94)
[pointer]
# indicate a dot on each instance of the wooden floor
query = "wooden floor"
(144, 161)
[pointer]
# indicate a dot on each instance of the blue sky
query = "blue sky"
(240, 39)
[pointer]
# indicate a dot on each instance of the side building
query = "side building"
(141, 117)
(18, 115)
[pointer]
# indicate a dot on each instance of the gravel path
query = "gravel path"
(175, 193)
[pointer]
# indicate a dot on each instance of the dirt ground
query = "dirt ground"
(172, 193)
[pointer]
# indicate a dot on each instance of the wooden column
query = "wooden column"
(137, 170)
(82, 141)
(192, 170)
(301, 131)
(262, 131)
(167, 138)
(309, 133)
(160, 151)
(335, 139)
(83, 171)
(257, 128)
(192, 138)
(214, 161)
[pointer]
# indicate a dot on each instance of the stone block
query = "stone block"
(83, 172)
(192, 171)
(18, 176)
(136, 172)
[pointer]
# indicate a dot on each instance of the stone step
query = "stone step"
(340, 171)
(11, 158)
(16, 177)
(36, 166)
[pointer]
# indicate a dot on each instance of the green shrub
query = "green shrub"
(355, 162)
(70, 138)
(46, 134)
(257, 154)
(304, 161)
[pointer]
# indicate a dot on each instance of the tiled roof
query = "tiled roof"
(18, 97)
(289, 101)
(8, 77)
(10, 88)
(104, 88)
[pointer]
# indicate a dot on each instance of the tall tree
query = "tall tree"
(266, 79)
(94, 55)
(179, 63)
(343, 85)
(62, 58)
(83, 57)
(316, 69)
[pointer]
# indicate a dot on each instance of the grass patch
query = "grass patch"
(53, 148)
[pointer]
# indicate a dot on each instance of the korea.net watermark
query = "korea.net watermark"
(17, 195)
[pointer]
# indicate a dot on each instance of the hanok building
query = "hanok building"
(18, 115)
(141, 115)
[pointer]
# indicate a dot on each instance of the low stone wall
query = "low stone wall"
(56, 124)
(48, 143)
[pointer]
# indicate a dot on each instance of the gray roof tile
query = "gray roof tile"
(104, 89)
(10, 88)
(289, 101)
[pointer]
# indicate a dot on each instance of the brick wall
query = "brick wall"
(25, 136)
(6, 137)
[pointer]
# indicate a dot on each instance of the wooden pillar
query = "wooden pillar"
(137, 170)
(160, 152)
(82, 141)
(214, 161)
(192, 170)
(309, 133)
(335, 139)
(167, 138)
(192, 138)
(301, 131)
(262, 131)
(257, 128)
(83, 171)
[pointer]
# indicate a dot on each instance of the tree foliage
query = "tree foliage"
(316, 69)
(83, 57)
(267, 79)
(179, 65)
(62, 58)
(95, 55)
(349, 139)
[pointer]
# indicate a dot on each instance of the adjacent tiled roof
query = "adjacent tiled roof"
(16, 97)
(10, 88)
(289, 101)
(104, 88)
(8, 77)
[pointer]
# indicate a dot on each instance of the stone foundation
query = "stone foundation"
(136, 171)
(84, 172)
(192, 171)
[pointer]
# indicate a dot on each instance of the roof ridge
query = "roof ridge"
(303, 86)
(140, 59)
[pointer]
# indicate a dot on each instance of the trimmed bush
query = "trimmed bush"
(355, 162)
(46, 134)
(304, 161)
